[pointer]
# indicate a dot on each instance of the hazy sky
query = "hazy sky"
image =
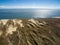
(30, 4)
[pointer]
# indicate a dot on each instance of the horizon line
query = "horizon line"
(28, 7)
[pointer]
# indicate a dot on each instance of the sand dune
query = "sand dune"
(30, 31)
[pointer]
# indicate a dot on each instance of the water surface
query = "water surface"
(29, 13)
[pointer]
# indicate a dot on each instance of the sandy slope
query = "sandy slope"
(30, 31)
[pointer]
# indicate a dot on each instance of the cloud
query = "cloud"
(42, 7)
(18, 7)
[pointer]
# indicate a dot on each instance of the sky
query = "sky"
(50, 4)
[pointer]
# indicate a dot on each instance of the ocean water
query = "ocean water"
(29, 13)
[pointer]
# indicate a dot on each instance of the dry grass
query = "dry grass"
(33, 32)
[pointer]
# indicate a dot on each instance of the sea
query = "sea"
(29, 13)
